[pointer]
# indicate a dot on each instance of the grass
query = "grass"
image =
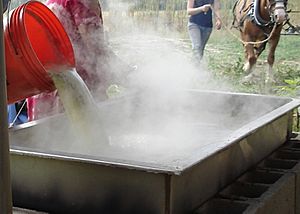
(225, 56)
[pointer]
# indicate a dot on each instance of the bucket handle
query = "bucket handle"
(8, 27)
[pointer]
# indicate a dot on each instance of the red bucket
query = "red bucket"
(35, 42)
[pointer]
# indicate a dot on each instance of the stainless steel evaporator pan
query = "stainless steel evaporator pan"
(184, 153)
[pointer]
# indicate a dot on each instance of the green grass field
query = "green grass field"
(224, 52)
(225, 56)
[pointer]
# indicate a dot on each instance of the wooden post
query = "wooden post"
(5, 183)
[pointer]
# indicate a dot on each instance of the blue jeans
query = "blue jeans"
(12, 115)
(199, 36)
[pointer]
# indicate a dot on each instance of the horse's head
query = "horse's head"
(278, 10)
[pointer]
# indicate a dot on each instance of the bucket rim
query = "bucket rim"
(24, 47)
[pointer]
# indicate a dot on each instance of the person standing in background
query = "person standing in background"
(200, 23)
(96, 63)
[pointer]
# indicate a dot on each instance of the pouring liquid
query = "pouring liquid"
(80, 107)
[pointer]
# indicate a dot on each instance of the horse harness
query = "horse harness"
(252, 13)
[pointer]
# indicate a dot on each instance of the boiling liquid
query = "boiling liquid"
(80, 107)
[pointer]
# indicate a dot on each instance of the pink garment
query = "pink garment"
(43, 105)
(82, 20)
(74, 14)
(82, 10)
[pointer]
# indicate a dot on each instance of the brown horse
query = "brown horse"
(259, 22)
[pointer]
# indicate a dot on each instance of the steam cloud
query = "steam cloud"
(153, 119)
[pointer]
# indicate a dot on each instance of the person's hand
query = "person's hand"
(218, 24)
(205, 8)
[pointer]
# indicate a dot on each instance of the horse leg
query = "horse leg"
(259, 49)
(250, 63)
(271, 58)
(250, 58)
(246, 66)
